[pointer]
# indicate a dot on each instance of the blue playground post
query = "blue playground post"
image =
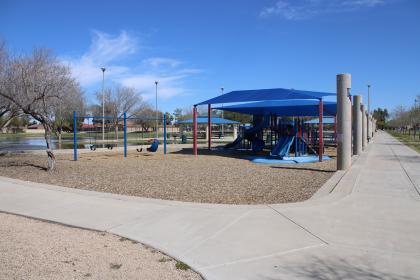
(125, 134)
(164, 134)
(74, 135)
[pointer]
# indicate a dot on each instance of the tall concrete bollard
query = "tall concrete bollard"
(371, 126)
(343, 122)
(357, 125)
(364, 129)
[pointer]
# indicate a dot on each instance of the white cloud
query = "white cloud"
(112, 51)
(168, 85)
(103, 51)
(303, 9)
(162, 61)
(106, 48)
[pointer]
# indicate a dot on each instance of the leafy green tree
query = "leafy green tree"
(381, 116)
(169, 118)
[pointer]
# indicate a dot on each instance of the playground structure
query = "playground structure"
(353, 125)
(279, 117)
(230, 127)
(282, 136)
(106, 142)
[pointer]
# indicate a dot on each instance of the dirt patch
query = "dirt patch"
(210, 178)
(31, 249)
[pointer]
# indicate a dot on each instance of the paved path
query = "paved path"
(368, 227)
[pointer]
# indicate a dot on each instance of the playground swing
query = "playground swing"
(140, 149)
(108, 145)
(91, 146)
(154, 146)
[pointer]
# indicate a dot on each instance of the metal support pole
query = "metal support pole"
(223, 129)
(125, 134)
(321, 130)
(296, 137)
(195, 127)
(74, 135)
(303, 135)
(343, 122)
(164, 134)
(368, 99)
(209, 125)
(357, 125)
(103, 104)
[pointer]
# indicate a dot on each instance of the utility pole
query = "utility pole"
(103, 104)
(156, 123)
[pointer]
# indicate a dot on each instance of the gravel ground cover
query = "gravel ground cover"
(212, 177)
(31, 249)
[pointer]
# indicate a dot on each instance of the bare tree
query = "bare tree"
(35, 84)
(118, 100)
(8, 110)
(145, 114)
(72, 100)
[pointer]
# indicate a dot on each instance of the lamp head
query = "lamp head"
(103, 69)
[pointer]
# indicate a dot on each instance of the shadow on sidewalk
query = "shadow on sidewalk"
(338, 269)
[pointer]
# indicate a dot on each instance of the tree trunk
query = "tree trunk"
(50, 154)
(116, 134)
(59, 139)
(6, 123)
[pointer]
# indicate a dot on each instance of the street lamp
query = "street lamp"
(156, 123)
(368, 99)
(223, 133)
(103, 104)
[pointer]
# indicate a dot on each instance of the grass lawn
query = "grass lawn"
(407, 139)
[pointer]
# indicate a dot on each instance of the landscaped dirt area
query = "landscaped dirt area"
(211, 177)
(31, 249)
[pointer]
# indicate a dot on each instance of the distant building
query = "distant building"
(35, 128)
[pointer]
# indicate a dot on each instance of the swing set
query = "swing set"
(107, 144)
(94, 135)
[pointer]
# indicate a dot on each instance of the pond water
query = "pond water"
(19, 143)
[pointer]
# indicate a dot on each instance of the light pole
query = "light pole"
(368, 99)
(223, 132)
(156, 123)
(103, 104)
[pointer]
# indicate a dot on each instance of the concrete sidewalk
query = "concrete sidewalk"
(368, 227)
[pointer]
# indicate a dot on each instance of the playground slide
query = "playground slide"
(282, 147)
(279, 145)
(250, 132)
(258, 145)
(249, 135)
(234, 144)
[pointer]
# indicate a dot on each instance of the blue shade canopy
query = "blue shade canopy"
(204, 120)
(285, 108)
(265, 94)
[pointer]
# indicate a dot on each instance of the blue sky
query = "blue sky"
(195, 47)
